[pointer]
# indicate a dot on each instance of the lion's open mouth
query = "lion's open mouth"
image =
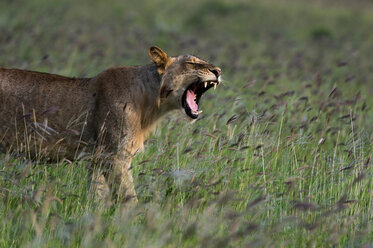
(192, 96)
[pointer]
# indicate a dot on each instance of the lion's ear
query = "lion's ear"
(158, 56)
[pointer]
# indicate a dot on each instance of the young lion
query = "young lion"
(109, 116)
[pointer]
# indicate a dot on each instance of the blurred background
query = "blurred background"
(284, 39)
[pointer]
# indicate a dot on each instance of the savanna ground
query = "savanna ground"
(281, 156)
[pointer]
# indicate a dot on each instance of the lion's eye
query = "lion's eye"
(194, 65)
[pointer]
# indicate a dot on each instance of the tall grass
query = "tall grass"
(281, 156)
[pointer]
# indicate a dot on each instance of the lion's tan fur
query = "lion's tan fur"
(53, 116)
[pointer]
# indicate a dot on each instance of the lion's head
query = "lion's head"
(184, 79)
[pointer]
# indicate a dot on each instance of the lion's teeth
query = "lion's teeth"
(214, 86)
(205, 84)
(199, 111)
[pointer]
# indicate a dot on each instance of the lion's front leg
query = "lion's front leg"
(121, 182)
(98, 186)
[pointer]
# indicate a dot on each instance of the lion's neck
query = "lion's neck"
(151, 111)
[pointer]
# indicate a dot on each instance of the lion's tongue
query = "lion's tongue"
(190, 100)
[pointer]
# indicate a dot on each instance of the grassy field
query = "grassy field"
(280, 158)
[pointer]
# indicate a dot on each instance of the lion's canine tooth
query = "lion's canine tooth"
(215, 86)
(199, 111)
(205, 84)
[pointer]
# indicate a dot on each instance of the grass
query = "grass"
(281, 156)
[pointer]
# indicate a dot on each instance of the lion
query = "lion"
(104, 119)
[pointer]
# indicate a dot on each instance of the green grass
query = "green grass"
(280, 158)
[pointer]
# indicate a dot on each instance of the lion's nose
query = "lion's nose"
(216, 71)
